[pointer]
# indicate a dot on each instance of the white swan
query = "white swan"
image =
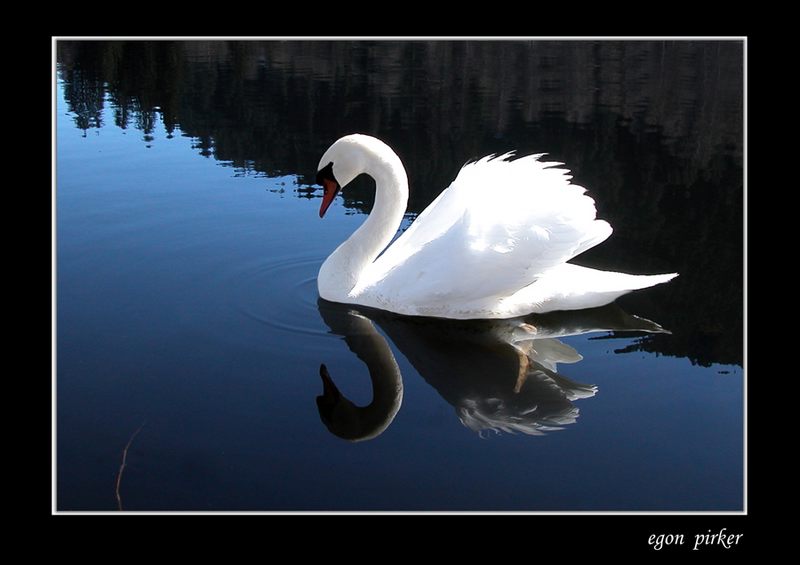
(495, 244)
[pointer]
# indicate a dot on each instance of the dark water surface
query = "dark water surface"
(188, 244)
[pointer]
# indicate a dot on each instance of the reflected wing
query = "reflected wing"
(500, 225)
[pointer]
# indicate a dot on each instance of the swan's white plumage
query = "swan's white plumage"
(460, 254)
(495, 245)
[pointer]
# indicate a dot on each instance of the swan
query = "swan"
(493, 245)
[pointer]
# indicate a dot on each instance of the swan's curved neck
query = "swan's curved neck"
(340, 272)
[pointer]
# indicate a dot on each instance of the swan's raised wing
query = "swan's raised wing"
(501, 224)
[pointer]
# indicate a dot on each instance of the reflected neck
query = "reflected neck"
(356, 423)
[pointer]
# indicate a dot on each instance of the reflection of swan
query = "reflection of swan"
(495, 244)
(499, 375)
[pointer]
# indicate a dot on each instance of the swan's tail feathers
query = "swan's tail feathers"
(646, 281)
(609, 281)
(571, 287)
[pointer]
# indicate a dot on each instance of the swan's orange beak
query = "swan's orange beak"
(331, 189)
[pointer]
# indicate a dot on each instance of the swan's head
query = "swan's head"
(342, 162)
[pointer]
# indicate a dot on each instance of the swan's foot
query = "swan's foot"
(523, 332)
(522, 375)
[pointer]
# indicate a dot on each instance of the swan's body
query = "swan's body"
(495, 244)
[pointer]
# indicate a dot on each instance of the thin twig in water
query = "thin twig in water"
(124, 461)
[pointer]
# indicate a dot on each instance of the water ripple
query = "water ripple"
(293, 308)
